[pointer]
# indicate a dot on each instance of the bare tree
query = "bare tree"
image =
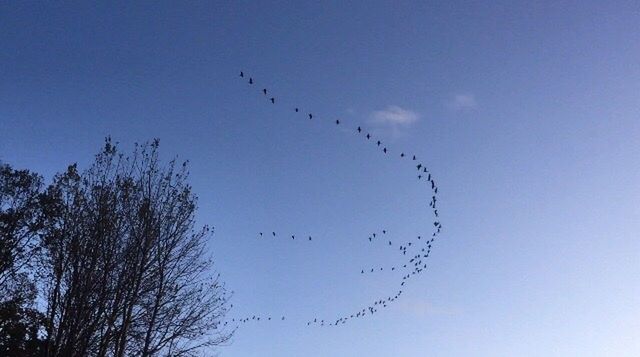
(126, 272)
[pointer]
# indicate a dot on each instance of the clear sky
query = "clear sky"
(526, 113)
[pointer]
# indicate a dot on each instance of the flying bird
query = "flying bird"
(273, 100)
(264, 91)
(310, 116)
(297, 110)
(250, 80)
(241, 74)
(359, 129)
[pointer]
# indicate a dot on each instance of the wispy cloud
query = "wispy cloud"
(394, 119)
(464, 101)
(394, 115)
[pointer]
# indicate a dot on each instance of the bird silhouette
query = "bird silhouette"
(417, 264)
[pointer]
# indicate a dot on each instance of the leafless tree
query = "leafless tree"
(125, 270)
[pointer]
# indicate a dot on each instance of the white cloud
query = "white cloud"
(394, 116)
(464, 101)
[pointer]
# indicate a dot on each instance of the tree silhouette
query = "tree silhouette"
(19, 321)
(124, 271)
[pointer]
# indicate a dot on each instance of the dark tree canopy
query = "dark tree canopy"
(19, 321)
(121, 267)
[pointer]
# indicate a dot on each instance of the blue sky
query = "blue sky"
(526, 114)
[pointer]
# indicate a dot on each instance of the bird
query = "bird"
(359, 129)
(419, 166)
(310, 116)
(389, 242)
(274, 233)
(385, 150)
(384, 231)
(264, 91)
(337, 121)
(293, 237)
(368, 136)
(414, 157)
(273, 100)
(250, 80)
(241, 74)
(402, 155)
(260, 234)
(297, 110)
(379, 143)
(309, 237)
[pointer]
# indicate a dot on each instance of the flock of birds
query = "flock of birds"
(414, 251)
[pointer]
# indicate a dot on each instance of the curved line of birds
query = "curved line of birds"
(419, 249)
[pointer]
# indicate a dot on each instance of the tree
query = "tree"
(20, 322)
(125, 270)
(19, 190)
